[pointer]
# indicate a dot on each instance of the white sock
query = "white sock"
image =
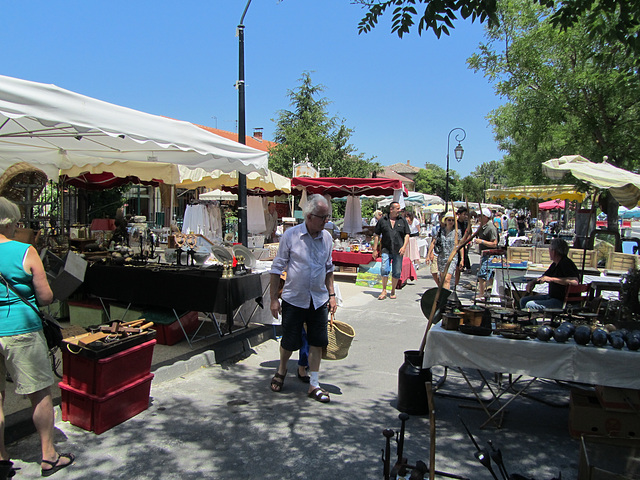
(314, 380)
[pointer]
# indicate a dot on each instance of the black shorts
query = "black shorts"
(293, 318)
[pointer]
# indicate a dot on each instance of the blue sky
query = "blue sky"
(180, 59)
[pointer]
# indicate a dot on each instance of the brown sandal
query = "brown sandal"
(320, 395)
(278, 381)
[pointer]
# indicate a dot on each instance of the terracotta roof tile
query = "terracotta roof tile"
(259, 144)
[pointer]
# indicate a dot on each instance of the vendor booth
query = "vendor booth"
(353, 188)
(354, 250)
(55, 131)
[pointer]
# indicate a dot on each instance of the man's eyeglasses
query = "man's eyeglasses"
(323, 217)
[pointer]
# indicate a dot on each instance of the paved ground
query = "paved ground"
(223, 422)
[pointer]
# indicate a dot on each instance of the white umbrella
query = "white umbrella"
(623, 185)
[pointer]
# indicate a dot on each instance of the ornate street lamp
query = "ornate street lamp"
(458, 152)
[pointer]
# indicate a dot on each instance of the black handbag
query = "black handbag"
(50, 326)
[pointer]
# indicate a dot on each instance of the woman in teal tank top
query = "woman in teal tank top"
(23, 348)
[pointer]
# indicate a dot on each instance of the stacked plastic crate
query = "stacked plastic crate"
(100, 390)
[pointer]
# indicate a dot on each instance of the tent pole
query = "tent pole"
(173, 194)
(587, 234)
(242, 178)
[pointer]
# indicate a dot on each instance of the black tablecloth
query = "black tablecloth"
(197, 289)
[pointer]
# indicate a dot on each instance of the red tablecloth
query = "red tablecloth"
(355, 259)
(350, 258)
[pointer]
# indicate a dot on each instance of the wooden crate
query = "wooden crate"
(622, 261)
(520, 254)
(590, 259)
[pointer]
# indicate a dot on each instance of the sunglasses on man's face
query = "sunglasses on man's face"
(323, 217)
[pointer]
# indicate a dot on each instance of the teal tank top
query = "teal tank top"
(15, 316)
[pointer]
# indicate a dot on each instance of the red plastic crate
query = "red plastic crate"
(172, 333)
(106, 375)
(99, 414)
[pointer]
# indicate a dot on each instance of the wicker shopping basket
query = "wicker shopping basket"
(340, 337)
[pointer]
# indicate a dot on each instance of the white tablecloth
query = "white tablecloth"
(559, 361)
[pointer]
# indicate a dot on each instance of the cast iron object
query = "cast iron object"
(496, 456)
(428, 298)
(544, 333)
(412, 396)
(484, 458)
(599, 337)
(570, 326)
(582, 335)
(516, 476)
(561, 334)
(617, 341)
(386, 453)
(633, 342)
(400, 439)
(624, 332)
(419, 471)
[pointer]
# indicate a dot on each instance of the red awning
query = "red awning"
(104, 181)
(552, 205)
(341, 186)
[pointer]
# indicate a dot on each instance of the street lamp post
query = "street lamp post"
(458, 152)
(242, 178)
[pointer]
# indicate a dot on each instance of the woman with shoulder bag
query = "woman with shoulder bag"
(23, 348)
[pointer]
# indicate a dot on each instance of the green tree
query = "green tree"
(433, 180)
(565, 93)
(307, 131)
(473, 188)
(615, 21)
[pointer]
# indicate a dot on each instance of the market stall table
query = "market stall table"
(598, 284)
(350, 258)
(558, 361)
(357, 258)
(175, 288)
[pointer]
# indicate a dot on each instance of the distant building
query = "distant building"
(405, 169)
(403, 172)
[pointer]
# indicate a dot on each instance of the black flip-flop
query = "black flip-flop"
(55, 466)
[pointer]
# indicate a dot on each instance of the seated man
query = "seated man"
(561, 273)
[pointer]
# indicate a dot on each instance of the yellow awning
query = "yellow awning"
(270, 182)
(538, 192)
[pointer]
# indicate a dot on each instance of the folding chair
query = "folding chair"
(576, 296)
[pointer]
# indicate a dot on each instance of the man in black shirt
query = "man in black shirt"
(561, 273)
(393, 233)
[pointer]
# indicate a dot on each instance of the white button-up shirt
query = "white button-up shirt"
(307, 261)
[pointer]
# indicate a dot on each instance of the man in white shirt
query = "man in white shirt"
(308, 294)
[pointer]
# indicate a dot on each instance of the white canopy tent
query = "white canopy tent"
(51, 128)
(415, 199)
